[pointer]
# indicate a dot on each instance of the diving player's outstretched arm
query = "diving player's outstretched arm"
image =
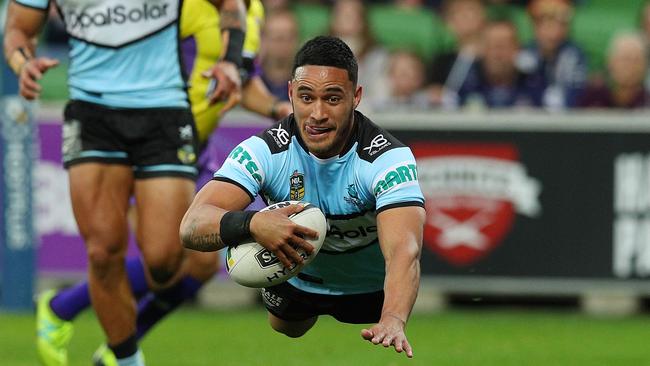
(400, 238)
(22, 28)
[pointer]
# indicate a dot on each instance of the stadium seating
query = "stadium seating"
(424, 32)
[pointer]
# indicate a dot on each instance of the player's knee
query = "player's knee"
(161, 275)
(290, 332)
(103, 257)
(291, 329)
(162, 265)
(293, 333)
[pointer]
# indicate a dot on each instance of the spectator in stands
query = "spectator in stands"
(280, 40)
(349, 22)
(644, 23)
(406, 81)
(466, 19)
(626, 64)
(274, 5)
(494, 80)
(556, 67)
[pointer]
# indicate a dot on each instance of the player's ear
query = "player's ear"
(289, 91)
(357, 96)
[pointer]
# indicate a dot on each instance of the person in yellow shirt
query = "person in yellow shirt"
(202, 45)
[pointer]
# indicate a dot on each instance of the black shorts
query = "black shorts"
(156, 142)
(291, 304)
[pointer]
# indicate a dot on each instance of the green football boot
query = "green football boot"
(103, 356)
(52, 333)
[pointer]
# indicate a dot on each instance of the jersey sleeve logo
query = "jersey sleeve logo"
(245, 159)
(377, 144)
(393, 177)
(280, 135)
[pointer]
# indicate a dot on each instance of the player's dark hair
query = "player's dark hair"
(327, 51)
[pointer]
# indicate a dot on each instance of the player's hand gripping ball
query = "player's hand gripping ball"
(252, 265)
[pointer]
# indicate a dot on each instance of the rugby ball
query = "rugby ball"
(251, 265)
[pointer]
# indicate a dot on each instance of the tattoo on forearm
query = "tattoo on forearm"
(230, 19)
(202, 242)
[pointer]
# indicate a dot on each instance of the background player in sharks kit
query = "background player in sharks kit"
(201, 46)
(360, 176)
(128, 130)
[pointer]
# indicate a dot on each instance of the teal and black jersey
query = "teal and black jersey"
(374, 172)
(123, 53)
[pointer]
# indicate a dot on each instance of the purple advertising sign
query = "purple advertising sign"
(61, 248)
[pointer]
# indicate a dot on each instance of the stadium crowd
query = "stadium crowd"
(472, 54)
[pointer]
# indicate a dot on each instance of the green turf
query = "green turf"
(202, 337)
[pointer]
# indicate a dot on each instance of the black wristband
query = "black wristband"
(247, 70)
(235, 227)
(235, 47)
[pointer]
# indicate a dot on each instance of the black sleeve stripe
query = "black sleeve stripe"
(228, 180)
(33, 7)
(401, 204)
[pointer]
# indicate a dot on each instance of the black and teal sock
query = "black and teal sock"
(155, 306)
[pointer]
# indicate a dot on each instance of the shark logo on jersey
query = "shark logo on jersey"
(377, 144)
(280, 135)
(353, 196)
(297, 186)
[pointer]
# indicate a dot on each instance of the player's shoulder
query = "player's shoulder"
(34, 4)
(279, 135)
(373, 141)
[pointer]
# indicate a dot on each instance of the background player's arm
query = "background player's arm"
(232, 21)
(400, 238)
(201, 225)
(257, 98)
(22, 27)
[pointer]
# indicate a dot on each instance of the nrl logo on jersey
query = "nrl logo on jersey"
(377, 144)
(473, 192)
(280, 135)
(296, 186)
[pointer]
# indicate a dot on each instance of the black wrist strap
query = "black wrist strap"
(235, 227)
(235, 47)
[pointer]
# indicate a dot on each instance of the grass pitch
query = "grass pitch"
(486, 337)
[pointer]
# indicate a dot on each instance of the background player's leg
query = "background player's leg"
(196, 269)
(100, 195)
(293, 329)
(71, 301)
(161, 203)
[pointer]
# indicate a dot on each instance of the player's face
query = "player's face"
(324, 100)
